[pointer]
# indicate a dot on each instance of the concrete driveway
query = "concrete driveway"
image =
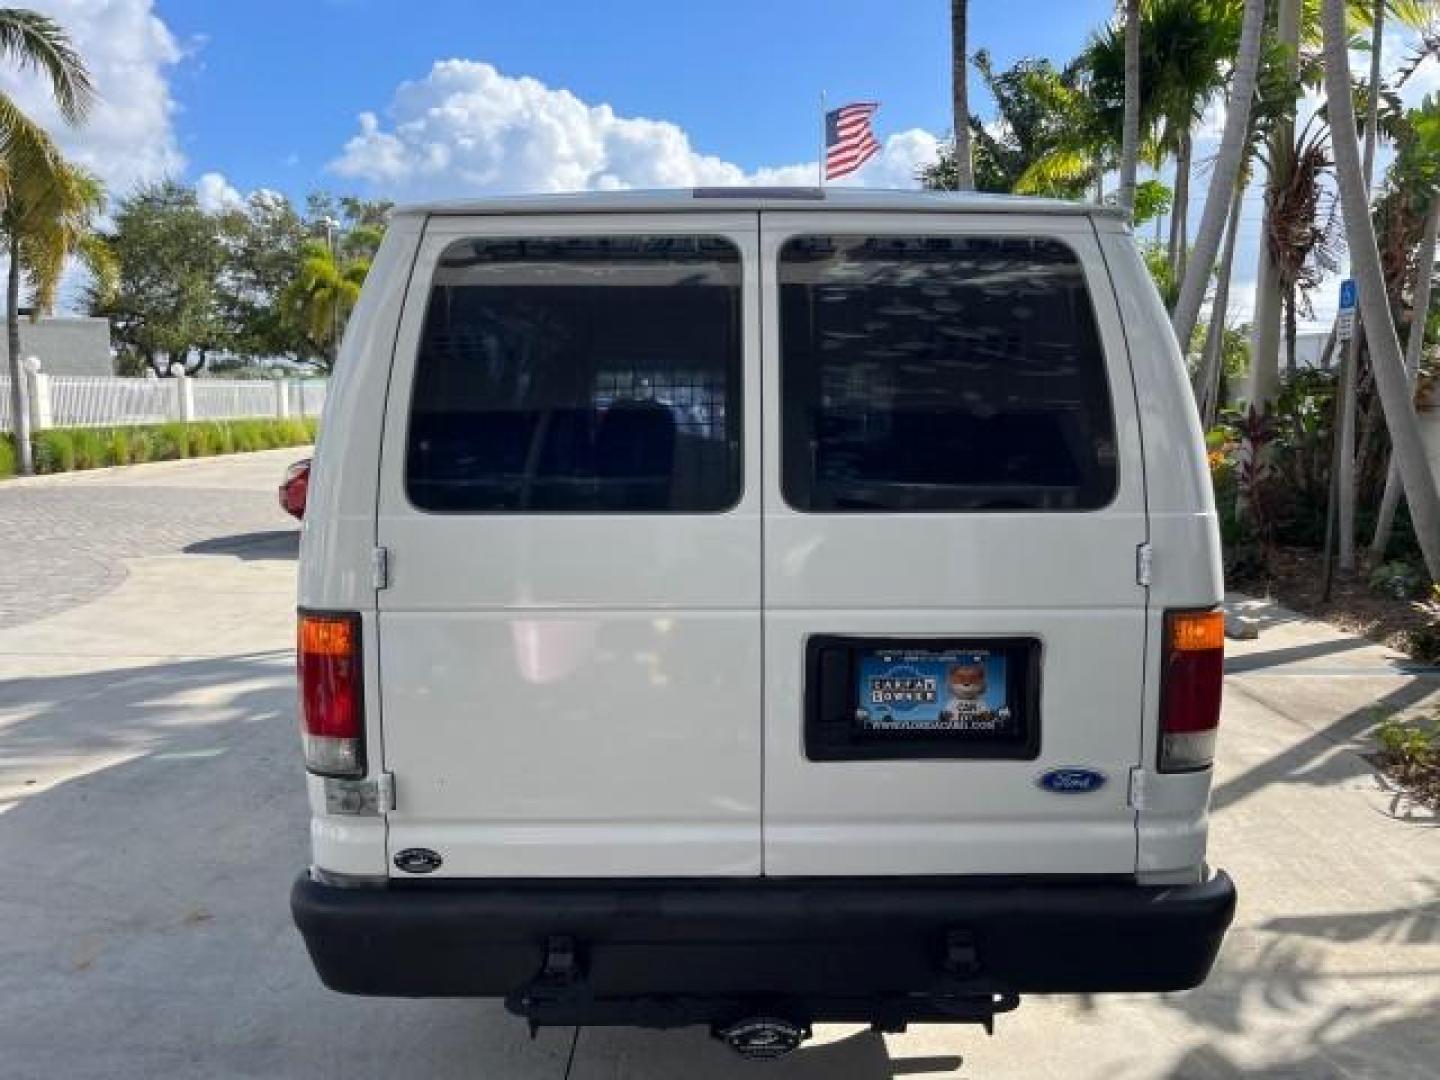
(152, 817)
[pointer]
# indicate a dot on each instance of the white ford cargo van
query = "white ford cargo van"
(757, 607)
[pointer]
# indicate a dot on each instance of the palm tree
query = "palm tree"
(964, 169)
(1417, 165)
(30, 165)
(47, 220)
(1208, 371)
(1130, 125)
(1264, 379)
(1187, 44)
(1350, 361)
(322, 295)
(1387, 364)
(1234, 144)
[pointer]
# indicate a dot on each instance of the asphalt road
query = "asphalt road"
(152, 817)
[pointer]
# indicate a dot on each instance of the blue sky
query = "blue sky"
(741, 77)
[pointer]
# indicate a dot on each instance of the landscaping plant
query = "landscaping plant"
(68, 449)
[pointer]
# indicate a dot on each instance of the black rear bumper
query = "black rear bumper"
(807, 939)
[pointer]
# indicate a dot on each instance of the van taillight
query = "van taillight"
(332, 713)
(1190, 692)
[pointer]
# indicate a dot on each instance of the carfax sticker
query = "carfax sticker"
(960, 690)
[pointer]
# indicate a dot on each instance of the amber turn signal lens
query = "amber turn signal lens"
(326, 635)
(1193, 631)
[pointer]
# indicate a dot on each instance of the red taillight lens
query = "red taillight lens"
(295, 488)
(332, 710)
(1190, 693)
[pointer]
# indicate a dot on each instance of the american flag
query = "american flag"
(849, 142)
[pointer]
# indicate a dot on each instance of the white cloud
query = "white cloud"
(466, 128)
(216, 193)
(129, 137)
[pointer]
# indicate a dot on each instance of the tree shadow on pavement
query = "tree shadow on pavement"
(1378, 1044)
(1308, 760)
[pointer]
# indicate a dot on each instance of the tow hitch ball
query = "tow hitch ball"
(762, 1038)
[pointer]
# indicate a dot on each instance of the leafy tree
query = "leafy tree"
(319, 299)
(169, 253)
(263, 244)
(1029, 97)
(1152, 199)
(36, 185)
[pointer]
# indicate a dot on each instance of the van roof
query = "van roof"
(677, 200)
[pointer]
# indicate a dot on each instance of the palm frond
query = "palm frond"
(38, 43)
(25, 148)
(97, 256)
(1065, 165)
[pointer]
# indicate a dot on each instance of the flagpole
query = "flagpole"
(820, 164)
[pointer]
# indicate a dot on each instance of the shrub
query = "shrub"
(54, 450)
(66, 449)
(90, 449)
(1398, 580)
(170, 442)
(1410, 752)
(224, 439)
(117, 446)
(142, 444)
(198, 440)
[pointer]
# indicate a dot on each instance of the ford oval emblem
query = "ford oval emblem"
(1071, 781)
(418, 860)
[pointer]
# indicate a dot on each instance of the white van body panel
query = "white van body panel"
(1067, 579)
(1186, 569)
(337, 535)
(573, 694)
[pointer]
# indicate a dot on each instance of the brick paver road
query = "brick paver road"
(66, 538)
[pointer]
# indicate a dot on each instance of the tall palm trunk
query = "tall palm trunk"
(1180, 207)
(1233, 146)
(1264, 381)
(1130, 128)
(1208, 392)
(964, 168)
(19, 399)
(1419, 307)
(1386, 361)
(1350, 365)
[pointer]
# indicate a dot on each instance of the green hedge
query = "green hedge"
(67, 449)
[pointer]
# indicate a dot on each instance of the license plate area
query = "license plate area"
(879, 698)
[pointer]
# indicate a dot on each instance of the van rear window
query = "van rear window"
(934, 373)
(579, 375)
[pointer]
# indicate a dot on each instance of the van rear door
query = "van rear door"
(569, 501)
(954, 499)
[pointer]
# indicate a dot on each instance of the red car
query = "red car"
(294, 488)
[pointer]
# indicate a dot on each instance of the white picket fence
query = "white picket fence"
(113, 401)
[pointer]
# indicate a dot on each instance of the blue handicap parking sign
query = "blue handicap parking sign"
(1347, 293)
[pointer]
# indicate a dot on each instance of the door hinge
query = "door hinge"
(1137, 789)
(360, 798)
(1144, 559)
(380, 568)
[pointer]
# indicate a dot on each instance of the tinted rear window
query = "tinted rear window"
(941, 373)
(579, 375)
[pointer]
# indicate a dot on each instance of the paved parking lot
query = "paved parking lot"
(152, 817)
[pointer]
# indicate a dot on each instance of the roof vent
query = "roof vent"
(797, 193)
